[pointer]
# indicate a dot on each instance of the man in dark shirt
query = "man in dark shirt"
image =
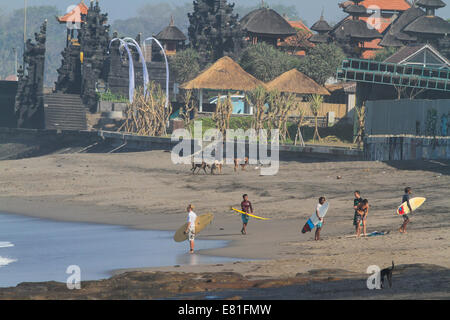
(406, 197)
(246, 206)
(356, 203)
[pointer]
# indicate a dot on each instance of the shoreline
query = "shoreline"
(146, 191)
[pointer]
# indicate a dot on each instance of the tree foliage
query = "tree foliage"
(265, 62)
(185, 65)
(11, 36)
(385, 53)
(322, 62)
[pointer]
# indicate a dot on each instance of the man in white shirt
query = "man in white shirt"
(190, 229)
(322, 201)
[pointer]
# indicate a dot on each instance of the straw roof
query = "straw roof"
(224, 74)
(266, 21)
(296, 82)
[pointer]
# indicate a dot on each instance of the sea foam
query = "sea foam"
(6, 261)
(5, 244)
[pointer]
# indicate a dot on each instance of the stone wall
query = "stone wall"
(406, 147)
(8, 90)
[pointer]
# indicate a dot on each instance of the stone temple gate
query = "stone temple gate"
(89, 66)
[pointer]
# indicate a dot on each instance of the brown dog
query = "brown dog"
(217, 166)
(238, 162)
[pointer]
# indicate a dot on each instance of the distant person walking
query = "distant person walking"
(190, 229)
(319, 225)
(406, 197)
(246, 206)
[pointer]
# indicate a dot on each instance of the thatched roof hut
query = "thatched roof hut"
(296, 82)
(224, 74)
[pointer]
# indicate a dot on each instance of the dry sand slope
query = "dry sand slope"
(145, 190)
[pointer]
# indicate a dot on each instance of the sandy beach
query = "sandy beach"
(145, 190)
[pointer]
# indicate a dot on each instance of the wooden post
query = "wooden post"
(200, 99)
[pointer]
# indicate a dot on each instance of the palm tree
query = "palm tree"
(315, 102)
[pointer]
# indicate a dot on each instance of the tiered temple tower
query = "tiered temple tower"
(94, 42)
(214, 31)
(352, 33)
(29, 106)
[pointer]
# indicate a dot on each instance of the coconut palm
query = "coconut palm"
(315, 102)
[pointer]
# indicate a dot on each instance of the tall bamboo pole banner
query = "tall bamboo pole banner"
(124, 44)
(167, 68)
(144, 63)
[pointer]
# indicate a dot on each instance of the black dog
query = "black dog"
(199, 166)
(387, 273)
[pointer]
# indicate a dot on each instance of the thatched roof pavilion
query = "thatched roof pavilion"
(224, 75)
(296, 82)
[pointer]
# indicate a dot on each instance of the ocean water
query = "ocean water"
(35, 250)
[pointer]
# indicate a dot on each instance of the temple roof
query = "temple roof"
(430, 4)
(355, 29)
(394, 5)
(319, 38)
(429, 25)
(266, 21)
(391, 5)
(395, 35)
(74, 15)
(355, 10)
(321, 25)
(171, 33)
(414, 54)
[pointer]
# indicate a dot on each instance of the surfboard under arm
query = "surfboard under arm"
(249, 214)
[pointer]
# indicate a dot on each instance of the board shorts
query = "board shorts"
(319, 225)
(191, 233)
(244, 218)
(355, 222)
(358, 218)
(405, 217)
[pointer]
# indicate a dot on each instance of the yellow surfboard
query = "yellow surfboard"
(200, 223)
(248, 214)
(415, 204)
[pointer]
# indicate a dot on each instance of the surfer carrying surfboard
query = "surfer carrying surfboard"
(246, 206)
(319, 225)
(406, 197)
(190, 228)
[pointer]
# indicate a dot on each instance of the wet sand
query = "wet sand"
(145, 190)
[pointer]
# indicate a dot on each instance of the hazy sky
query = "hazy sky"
(309, 10)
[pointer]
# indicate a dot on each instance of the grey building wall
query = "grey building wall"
(406, 147)
(398, 117)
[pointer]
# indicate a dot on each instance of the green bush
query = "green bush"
(111, 97)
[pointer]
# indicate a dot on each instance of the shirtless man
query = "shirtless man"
(361, 215)
(246, 206)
